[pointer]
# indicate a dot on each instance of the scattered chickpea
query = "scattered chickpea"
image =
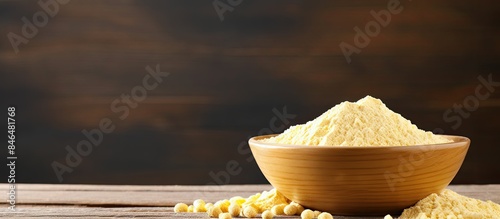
(278, 209)
(199, 206)
(208, 205)
(227, 209)
(290, 209)
(325, 215)
(198, 202)
(223, 205)
(214, 211)
(388, 216)
(225, 216)
(267, 214)
(249, 211)
(237, 200)
(180, 207)
(300, 208)
(234, 210)
(307, 214)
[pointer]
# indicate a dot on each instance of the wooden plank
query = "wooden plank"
(107, 195)
(108, 201)
(60, 211)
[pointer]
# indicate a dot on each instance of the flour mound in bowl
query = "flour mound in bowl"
(367, 122)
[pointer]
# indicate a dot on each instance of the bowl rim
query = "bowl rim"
(458, 141)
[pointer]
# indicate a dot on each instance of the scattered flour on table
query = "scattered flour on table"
(450, 205)
(266, 200)
(367, 122)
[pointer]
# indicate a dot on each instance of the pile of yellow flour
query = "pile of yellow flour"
(266, 200)
(450, 205)
(367, 122)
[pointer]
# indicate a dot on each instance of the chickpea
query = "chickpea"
(237, 200)
(307, 214)
(300, 208)
(290, 209)
(234, 210)
(278, 209)
(180, 207)
(214, 211)
(267, 214)
(225, 216)
(249, 211)
(208, 205)
(198, 202)
(199, 206)
(325, 215)
(223, 205)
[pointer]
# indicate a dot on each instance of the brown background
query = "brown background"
(227, 76)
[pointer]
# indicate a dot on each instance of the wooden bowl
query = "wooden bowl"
(359, 180)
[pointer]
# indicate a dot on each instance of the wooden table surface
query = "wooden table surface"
(102, 201)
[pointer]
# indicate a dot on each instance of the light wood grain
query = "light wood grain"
(104, 201)
(109, 195)
(33, 211)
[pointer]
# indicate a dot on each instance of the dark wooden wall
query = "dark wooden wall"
(228, 76)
